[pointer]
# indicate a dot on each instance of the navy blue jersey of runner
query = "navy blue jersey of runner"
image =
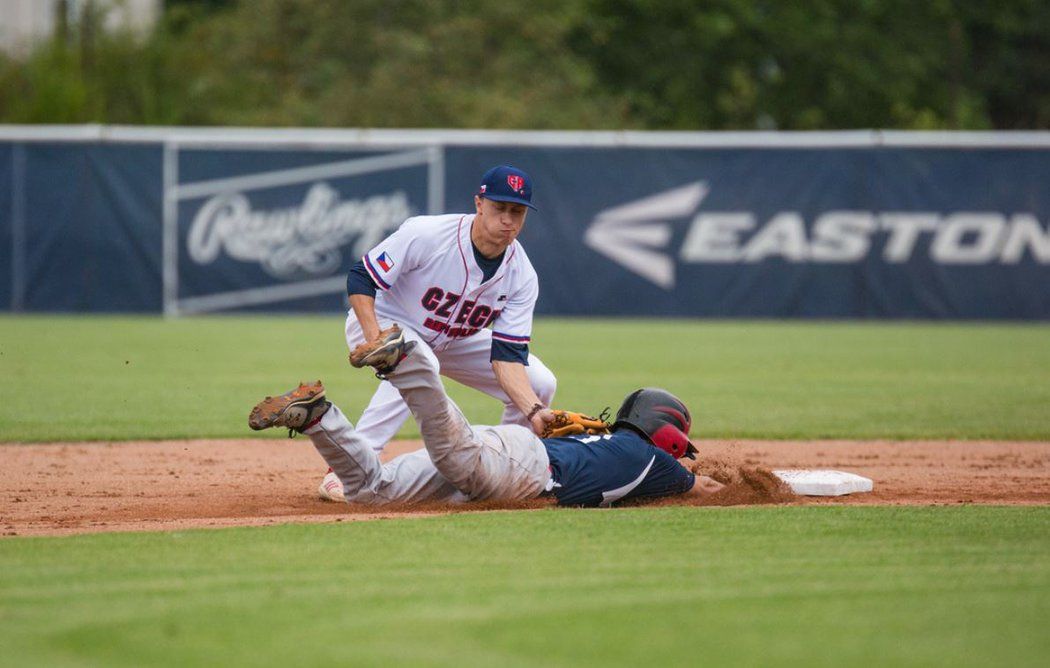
(601, 470)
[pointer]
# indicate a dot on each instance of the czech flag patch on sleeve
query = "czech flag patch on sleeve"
(385, 262)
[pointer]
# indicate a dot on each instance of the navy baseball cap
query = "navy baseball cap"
(507, 184)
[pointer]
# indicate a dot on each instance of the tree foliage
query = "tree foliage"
(577, 64)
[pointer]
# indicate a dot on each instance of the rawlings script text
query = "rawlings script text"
(297, 240)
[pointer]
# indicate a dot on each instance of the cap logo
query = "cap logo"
(484, 188)
(516, 183)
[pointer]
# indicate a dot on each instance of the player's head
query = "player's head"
(660, 417)
(504, 183)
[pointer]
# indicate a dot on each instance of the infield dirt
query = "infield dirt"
(65, 488)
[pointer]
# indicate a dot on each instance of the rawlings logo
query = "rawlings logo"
(304, 239)
(516, 183)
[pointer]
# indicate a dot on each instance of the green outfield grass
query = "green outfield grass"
(806, 586)
(113, 378)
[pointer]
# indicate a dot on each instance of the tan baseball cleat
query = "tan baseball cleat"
(297, 409)
(383, 353)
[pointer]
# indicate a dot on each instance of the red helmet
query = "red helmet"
(661, 417)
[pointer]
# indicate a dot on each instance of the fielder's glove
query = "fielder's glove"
(567, 423)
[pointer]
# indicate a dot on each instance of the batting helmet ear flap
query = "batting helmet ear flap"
(674, 441)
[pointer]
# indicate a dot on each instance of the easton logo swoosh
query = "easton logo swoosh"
(633, 234)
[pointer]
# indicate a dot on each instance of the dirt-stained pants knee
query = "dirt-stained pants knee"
(506, 462)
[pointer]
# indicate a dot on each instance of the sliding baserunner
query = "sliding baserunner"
(505, 462)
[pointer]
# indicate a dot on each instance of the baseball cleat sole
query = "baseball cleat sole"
(385, 358)
(287, 410)
(388, 354)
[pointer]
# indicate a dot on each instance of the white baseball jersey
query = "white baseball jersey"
(429, 281)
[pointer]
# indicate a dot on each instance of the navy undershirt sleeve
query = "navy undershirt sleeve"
(358, 282)
(509, 352)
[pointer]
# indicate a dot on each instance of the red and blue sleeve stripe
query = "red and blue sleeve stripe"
(375, 274)
(510, 338)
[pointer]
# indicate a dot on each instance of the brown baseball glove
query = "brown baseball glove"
(567, 423)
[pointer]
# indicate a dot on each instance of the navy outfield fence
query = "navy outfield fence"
(857, 224)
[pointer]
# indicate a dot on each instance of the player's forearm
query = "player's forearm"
(514, 380)
(364, 308)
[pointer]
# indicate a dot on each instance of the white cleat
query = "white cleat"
(331, 488)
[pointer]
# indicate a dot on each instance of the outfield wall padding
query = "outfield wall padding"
(804, 225)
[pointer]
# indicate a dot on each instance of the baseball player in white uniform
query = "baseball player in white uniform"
(461, 285)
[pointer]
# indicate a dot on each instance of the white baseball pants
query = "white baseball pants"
(410, 478)
(459, 462)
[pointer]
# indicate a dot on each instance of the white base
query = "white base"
(824, 483)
